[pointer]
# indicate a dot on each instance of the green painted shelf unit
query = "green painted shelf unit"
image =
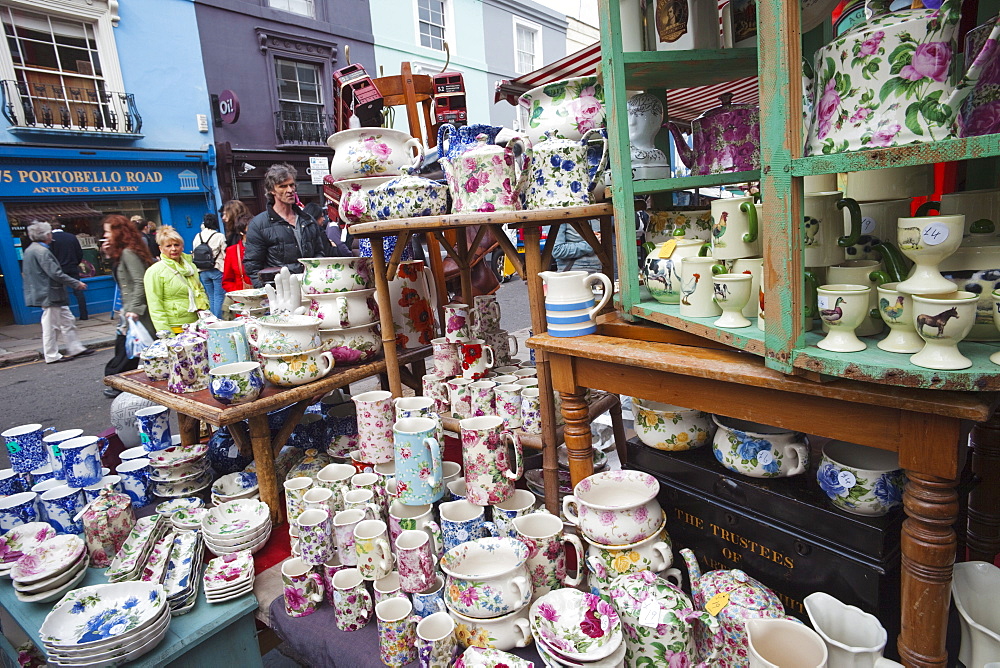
(784, 344)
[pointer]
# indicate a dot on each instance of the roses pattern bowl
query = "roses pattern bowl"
(759, 451)
(297, 368)
(615, 507)
(352, 345)
(237, 383)
(486, 577)
(578, 625)
(667, 427)
(860, 479)
(567, 108)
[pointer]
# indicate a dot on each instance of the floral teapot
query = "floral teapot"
(659, 623)
(734, 597)
(890, 81)
(560, 173)
(726, 139)
(486, 177)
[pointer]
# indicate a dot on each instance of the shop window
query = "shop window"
(301, 7)
(527, 46)
(300, 102)
(431, 22)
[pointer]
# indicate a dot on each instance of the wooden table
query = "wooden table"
(924, 426)
(536, 260)
(210, 636)
(255, 436)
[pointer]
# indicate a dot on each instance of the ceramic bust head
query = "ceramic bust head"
(645, 116)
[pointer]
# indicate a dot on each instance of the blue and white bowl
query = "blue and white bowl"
(860, 479)
(239, 485)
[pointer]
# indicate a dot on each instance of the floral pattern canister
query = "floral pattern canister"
(107, 522)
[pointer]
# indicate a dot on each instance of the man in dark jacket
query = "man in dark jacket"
(69, 254)
(281, 234)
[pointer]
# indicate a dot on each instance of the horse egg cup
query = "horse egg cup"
(942, 321)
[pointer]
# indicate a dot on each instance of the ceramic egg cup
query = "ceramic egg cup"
(896, 309)
(732, 292)
(927, 241)
(942, 321)
(843, 307)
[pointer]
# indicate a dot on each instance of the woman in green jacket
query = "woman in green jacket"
(173, 290)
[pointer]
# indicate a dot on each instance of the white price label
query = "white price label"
(823, 301)
(649, 613)
(847, 479)
(934, 234)
(867, 225)
(234, 451)
(765, 457)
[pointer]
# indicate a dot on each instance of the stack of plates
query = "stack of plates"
(19, 540)
(229, 576)
(50, 569)
(180, 470)
(181, 579)
(155, 566)
(233, 486)
(188, 519)
(130, 562)
(106, 624)
(234, 526)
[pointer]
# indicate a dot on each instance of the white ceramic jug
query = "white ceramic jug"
(569, 301)
(975, 588)
(854, 638)
(782, 643)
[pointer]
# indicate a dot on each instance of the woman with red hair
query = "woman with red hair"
(126, 247)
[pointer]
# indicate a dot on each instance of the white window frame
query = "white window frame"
(285, 6)
(518, 22)
(449, 22)
(102, 14)
(321, 105)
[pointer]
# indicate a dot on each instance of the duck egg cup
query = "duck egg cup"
(842, 307)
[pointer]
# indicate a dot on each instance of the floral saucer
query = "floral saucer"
(553, 659)
(168, 508)
(48, 595)
(22, 539)
(48, 559)
(101, 612)
(228, 570)
(578, 625)
(188, 519)
(55, 581)
(177, 455)
(168, 490)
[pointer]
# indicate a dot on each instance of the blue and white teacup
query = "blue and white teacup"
(17, 509)
(137, 452)
(135, 481)
(91, 492)
(430, 600)
(42, 473)
(154, 427)
(236, 383)
(82, 460)
(11, 482)
(463, 521)
(520, 503)
(53, 451)
(343, 419)
(40, 488)
(456, 490)
(24, 445)
(61, 504)
(418, 461)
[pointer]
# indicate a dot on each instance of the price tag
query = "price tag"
(234, 451)
(649, 613)
(847, 479)
(12, 447)
(934, 234)
(56, 451)
(667, 249)
(717, 603)
(765, 457)
(867, 225)
(823, 301)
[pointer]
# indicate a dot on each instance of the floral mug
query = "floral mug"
(489, 476)
(352, 603)
(303, 589)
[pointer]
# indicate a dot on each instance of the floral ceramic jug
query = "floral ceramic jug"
(560, 171)
(740, 597)
(659, 622)
(188, 363)
(453, 142)
(413, 307)
(486, 177)
(890, 81)
(726, 139)
(107, 522)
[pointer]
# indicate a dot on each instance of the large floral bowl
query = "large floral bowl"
(608, 562)
(859, 479)
(615, 507)
(567, 108)
(486, 577)
(578, 625)
(297, 368)
(667, 427)
(758, 450)
(352, 345)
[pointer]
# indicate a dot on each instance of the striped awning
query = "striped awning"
(25, 213)
(583, 63)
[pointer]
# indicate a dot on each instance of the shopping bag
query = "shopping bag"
(136, 339)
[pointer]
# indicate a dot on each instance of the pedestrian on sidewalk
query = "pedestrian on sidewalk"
(234, 276)
(209, 255)
(126, 248)
(66, 247)
(45, 287)
(233, 212)
(173, 292)
(143, 226)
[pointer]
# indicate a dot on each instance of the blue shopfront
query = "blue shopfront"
(76, 188)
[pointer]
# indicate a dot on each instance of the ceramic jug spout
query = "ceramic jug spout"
(683, 148)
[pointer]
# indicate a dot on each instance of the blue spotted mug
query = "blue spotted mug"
(24, 445)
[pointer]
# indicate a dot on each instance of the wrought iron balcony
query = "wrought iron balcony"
(298, 128)
(42, 106)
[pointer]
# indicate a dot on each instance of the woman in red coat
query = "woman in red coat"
(233, 275)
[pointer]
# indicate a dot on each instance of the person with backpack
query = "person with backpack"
(209, 256)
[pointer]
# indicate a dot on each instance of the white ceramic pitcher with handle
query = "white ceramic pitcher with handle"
(776, 643)
(569, 301)
(854, 638)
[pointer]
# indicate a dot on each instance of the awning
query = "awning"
(47, 212)
(583, 63)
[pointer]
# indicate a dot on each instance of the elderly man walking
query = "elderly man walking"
(45, 286)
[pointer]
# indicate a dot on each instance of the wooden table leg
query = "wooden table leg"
(190, 429)
(928, 555)
(267, 480)
(576, 433)
(618, 428)
(983, 534)
(385, 316)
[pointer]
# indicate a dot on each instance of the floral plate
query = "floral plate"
(553, 659)
(56, 592)
(170, 507)
(55, 581)
(23, 538)
(578, 625)
(177, 578)
(169, 490)
(235, 484)
(188, 519)
(118, 652)
(252, 547)
(159, 557)
(130, 558)
(177, 455)
(235, 518)
(228, 570)
(179, 474)
(48, 559)
(100, 612)
(477, 657)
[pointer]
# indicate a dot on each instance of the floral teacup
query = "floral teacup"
(759, 451)
(236, 383)
(615, 507)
